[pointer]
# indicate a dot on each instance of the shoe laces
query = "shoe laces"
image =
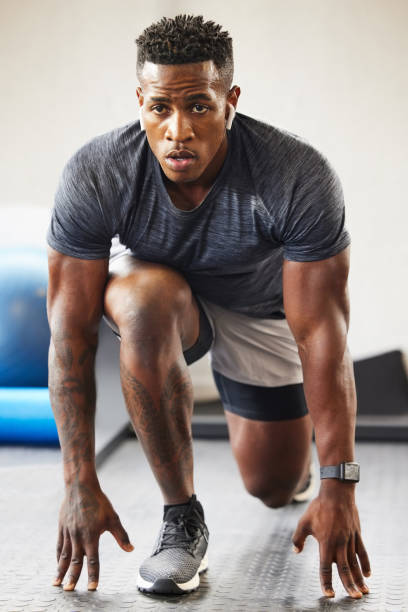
(181, 532)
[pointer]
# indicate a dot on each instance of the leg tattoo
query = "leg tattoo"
(163, 426)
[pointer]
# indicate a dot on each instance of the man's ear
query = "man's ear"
(232, 101)
(233, 95)
(140, 96)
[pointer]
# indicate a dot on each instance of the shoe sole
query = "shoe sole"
(167, 586)
(307, 494)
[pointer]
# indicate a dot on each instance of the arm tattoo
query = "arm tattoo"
(73, 397)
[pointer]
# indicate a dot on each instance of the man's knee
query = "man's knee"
(272, 494)
(149, 304)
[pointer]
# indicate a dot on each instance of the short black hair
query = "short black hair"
(186, 39)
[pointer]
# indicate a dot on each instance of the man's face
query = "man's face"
(184, 112)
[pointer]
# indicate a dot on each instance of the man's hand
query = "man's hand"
(332, 518)
(85, 514)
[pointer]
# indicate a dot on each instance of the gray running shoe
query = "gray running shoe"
(180, 553)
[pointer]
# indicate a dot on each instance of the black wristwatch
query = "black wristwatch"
(349, 472)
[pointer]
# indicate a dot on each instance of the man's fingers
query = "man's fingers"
(120, 534)
(300, 535)
(92, 559)
(355, 568)
(326, 560)
(363, 556)
(75, 568)
(64, 560)
(346, 575)
(60, 543)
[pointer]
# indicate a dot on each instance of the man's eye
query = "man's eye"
(159, 109)
(200, 108)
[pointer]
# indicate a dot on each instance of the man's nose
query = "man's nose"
(179, 128)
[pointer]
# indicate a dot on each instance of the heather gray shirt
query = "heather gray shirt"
(275, 197)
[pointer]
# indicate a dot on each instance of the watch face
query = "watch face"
(351, 471)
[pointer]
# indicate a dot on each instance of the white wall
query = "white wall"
(334, 72)
(68, 73)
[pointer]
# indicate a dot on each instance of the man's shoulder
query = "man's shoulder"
(273, 137)
(273, 148)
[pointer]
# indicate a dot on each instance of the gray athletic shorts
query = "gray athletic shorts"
(254, 351)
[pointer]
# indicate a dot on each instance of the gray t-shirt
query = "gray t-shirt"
(275, 197)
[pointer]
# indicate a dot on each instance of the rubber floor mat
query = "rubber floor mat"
(251, 563)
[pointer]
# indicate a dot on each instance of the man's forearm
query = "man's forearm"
(331, 398)
(73, 396)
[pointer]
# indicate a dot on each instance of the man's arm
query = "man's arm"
(317, 310)
(75, 306)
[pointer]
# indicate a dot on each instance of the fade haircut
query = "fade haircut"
(184, 40)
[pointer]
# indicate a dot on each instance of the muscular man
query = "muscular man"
(233, 240)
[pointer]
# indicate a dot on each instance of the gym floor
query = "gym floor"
(252, 566)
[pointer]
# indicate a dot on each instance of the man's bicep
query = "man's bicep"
(315, 295)
(75, 291)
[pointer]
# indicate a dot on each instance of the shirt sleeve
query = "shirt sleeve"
(313, 223)
(78, 225)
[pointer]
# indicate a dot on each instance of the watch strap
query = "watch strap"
(347, 471)
(330, 471)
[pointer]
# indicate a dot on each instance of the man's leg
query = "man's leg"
(270, 434)
(153, 310)
(273, 456)
(157, 317)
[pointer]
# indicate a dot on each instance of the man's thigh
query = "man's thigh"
(271, 455)
(270, 432)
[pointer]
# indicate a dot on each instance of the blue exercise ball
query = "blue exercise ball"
(24, 331)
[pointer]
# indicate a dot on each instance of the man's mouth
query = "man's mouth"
(179, 160)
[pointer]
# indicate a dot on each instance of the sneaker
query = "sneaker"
(307, 492)
(180, 553)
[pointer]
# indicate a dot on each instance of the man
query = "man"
(235, 241)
